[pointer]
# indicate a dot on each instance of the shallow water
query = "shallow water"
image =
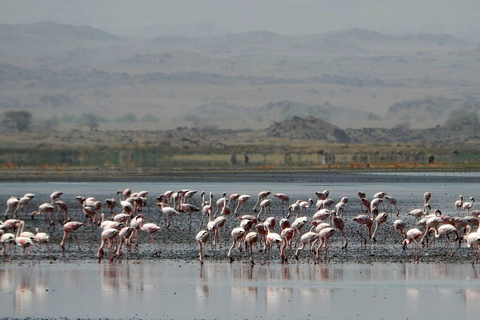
(182, 289)
(175, 289)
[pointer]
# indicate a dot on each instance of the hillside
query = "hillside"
(351, 78)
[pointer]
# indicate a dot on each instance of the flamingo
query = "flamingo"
(55, 195)
(392, 202)
(262, 195)
(427, 196)
(214, 226)
(124, 235)
(374, 204)
(237, 234)
(307, 238)
(264, 206)
(283, 198)
(417, 213)
(150, 228)
(459, 203)
(412, 235)
(136, 223)
(42, 238)
(400, 226)
(46, 208)
(286, 234)
(121, 217)
(189, 208)
(305, 205)
(25, 243)
(322, 195)
(298, 225)
(250, 239)
(62, 207)
(273, 237)
(7, 239)
(340, 225)
(25, 200)
(105, 224)
(111, 203)
(379, 220)
(322, 214)
(189, 195)
(69, 227)
(124, 194)
(340, 206)
(363, 219)
(473, 241)
(294, 207)
(108, 235)
(240, 201)
(445, 230)
(206, 206)
(467, 205)
(201, 238)
(169, 212)
(12, 205)
(323, 204)
(324, 235)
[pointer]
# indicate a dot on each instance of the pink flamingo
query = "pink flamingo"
(380, 219)
(46, 208)
(400, 226)
(124, 235)
(363, 219)
(69, 227)
(340, 225)
(412, 235)
(250, 239)
(55, 195)
(25, 243)
(150, 228)
(309, 238)
(42, 238)
(264, 206)
(324, 235)
(283, 198)
(240, 201)
(111, 203)
(237, 234)
(261, 196)
(108, 235)
(273, 237)
(12, 205)
(201, 238)
(62, 207)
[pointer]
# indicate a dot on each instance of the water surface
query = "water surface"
(175, 289)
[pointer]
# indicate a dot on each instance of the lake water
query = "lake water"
(177, 289)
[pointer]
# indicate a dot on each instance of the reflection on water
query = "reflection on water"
(188, 290)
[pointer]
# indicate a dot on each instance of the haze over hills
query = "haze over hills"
(351, 78)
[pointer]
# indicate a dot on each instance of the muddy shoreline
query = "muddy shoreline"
(310, 176)
(178, 242)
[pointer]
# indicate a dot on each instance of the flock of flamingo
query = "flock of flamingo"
(297, 228)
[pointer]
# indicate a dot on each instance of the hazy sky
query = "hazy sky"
(459, 17)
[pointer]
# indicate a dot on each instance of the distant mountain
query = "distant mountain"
(427, 108)
(52, 29)
(344, 41)
(197, 30)
(310, 128)
(222, 115)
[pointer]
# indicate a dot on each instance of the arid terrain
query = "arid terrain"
(352, 78)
